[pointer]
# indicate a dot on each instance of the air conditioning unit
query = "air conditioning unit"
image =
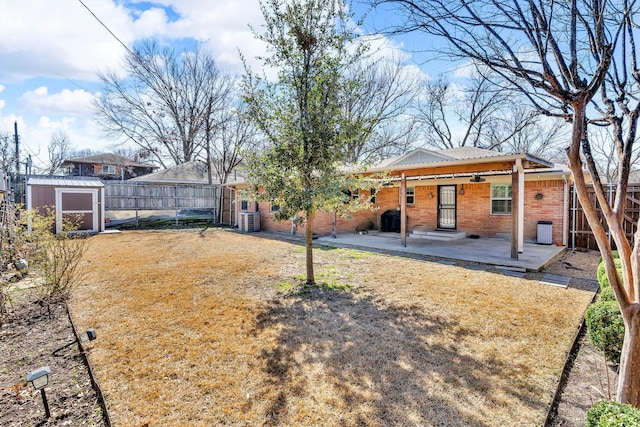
(249, 221)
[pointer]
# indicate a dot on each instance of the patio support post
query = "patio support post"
(403, 211)
(520, 206)
(514, 212)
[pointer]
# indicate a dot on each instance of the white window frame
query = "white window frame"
(508, 197)
(109, 169)
(410, 195)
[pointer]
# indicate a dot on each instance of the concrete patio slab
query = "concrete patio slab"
(483, 251)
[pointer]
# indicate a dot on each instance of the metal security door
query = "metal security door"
(447, 207)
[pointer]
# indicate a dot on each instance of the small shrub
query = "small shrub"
(57, 256)
(612, 414)
(606, 328)
(601, 274)
(606, 294)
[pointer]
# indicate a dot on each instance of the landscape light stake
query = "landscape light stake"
(89, 335)
(39, 379)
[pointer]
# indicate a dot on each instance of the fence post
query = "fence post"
(135, 198)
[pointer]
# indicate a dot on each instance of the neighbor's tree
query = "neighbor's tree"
(477, 112)
(58, 150)
(310, 44)
(575, 60)
(7, 154)
(377, 100)
(229, 134)
(163, 101)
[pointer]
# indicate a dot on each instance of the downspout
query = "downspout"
(565, 211)
(573, 215)
(403, 211)
(520, 206)
(102, 208)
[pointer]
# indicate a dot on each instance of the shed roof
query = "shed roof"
(65, 182)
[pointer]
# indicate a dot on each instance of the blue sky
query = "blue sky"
(52, 50)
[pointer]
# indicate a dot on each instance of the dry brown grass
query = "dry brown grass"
(194, 329)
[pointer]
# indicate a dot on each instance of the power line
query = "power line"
(106, 28)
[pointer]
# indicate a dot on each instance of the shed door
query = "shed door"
(79, 206)
(447, 207)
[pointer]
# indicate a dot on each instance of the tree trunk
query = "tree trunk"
(309, 249)
(629, 378)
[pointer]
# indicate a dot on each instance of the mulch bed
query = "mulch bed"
(32, 332)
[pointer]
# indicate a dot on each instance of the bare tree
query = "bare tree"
(58, 150)
(162, 104)
(481, 114)
(377, 100)
(7, 155)
(561, 54)
(229, 133)
(235, 135)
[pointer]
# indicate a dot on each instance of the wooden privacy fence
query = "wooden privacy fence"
(580, 234)
(136, 197)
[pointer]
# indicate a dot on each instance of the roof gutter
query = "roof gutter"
(475, 161)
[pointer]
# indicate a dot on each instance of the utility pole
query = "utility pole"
(17, 141)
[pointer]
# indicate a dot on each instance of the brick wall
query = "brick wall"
(322, 224)
(473, 211)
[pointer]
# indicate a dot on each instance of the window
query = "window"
(110, 169)
(501, 199)
(275, 207)
(354, 194)
(372, 195)
(244, 205)
(411, 195)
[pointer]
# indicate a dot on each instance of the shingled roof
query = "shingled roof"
(107, 159)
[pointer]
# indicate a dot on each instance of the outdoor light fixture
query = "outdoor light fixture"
(39, 379)
(88, 335)
(431, 194)
(461, 192)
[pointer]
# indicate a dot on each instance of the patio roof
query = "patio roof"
(461, 159)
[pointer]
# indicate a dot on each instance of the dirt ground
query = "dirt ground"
(590, 378)
(271, 363)
(36, 335)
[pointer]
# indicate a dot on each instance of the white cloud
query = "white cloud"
(58, 39)
(40, 101)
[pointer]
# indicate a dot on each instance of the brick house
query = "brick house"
(107, 166)
(469, 190)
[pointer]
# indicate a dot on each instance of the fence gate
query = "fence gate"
(580, 234)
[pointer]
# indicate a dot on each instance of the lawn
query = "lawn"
(204, 328)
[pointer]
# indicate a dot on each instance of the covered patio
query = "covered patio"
(491, 251)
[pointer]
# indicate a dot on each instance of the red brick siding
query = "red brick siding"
(473, 211)
(322, 224)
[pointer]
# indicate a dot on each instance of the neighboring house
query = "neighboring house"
(466, 190)
(194, 172)
(106, 166)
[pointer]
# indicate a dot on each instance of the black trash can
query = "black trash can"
(545, 233)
